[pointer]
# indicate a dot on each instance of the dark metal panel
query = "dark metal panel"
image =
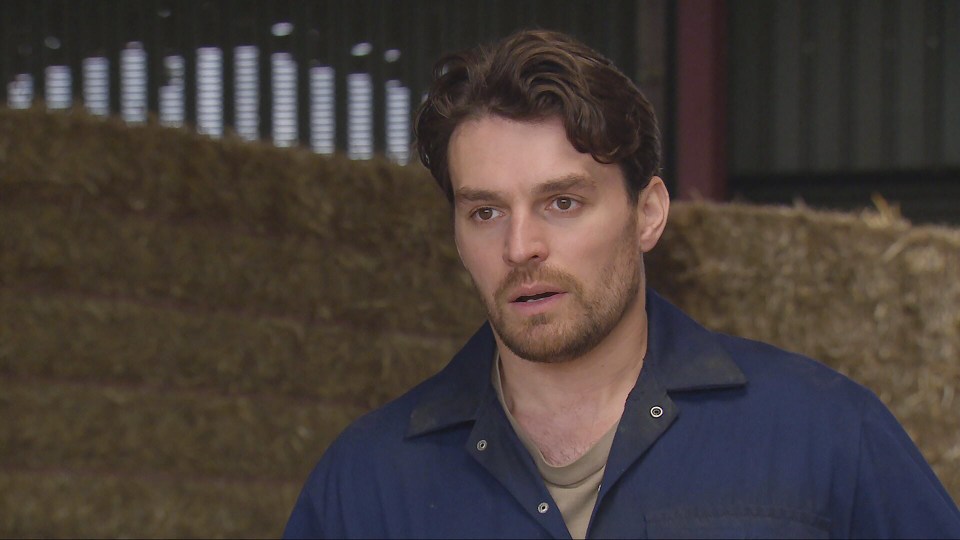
(377, 21)
(7, 46)
(403, 36)
(324, 33)
(787, 81)
(173, 34)
(446, 30)
(950, 145)
(865, 85)
(651, 66)
(826, 55)
(73, 12)
(6, 51)
(34, 49)
(910, 126)
(625, 38)
(867, 79)
(878, 87)
(922, 197)
(889, 89)
(304, 54)
(749, 98)
(847, 97)
(45, 23)
(421, 45)
(575, 16)
(933, 81)
(342, 62)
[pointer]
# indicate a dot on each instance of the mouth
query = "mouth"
(535, 298)
(522, 299)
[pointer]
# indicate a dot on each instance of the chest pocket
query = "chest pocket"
(737, 522)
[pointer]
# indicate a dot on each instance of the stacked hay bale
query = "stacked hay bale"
(185, 324)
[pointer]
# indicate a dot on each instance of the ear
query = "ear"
(652, 210)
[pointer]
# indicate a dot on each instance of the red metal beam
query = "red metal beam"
(701, 99)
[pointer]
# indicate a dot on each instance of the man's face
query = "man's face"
(548, 235)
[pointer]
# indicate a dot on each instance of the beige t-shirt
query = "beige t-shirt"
(574, 487)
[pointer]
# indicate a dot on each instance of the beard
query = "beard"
(588, 317)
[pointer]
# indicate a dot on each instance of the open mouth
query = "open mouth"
(535, 297)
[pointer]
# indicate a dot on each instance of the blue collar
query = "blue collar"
(681, 355)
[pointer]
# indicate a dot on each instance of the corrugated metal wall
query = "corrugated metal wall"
(40, 33)
(833, 102)
(855, 85)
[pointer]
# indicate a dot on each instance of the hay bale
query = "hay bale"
(185, 323)
(124, 342)
(193, 307)
(61, 503)
(98, 251)
(181, 175)
(129, 430)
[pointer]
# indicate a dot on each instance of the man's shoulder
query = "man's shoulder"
(789, 377)
(388, 423)
(370, 456)
(444, 399)
(765, 359)
(690, 356)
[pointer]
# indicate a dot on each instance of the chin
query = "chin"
(548, 343)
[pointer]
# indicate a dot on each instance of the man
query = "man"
(589, 406)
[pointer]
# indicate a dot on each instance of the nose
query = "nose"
(526, 241)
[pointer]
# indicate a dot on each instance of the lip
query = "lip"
(535, 306)
(533, 289)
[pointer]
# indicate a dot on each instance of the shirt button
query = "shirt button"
(543, 507)
(656, 411)
(482, 445)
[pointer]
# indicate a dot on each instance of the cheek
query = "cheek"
(596, 250)
(589, 249)
(478, 257)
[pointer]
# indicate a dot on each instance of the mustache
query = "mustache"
(527, 274)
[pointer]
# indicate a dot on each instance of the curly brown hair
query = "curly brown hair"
(538, 74)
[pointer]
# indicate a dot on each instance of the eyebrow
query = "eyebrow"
(466, 194)
(564, 183)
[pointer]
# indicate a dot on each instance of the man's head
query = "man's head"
(534, 75)
(548, 155)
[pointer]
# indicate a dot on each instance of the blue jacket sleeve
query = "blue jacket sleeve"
(897, 493)
(318, 502)
(329, 506)
(303, 522)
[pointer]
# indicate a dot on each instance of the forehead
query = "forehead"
(495, 153)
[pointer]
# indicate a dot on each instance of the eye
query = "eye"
(485, 214)
(565, 204)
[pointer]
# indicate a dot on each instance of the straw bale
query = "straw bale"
(65, 504)
(867, 294)
(373, 369)
(177, 174)
(135, 429)
(388, 286)
(186, 323)
(76, 338)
